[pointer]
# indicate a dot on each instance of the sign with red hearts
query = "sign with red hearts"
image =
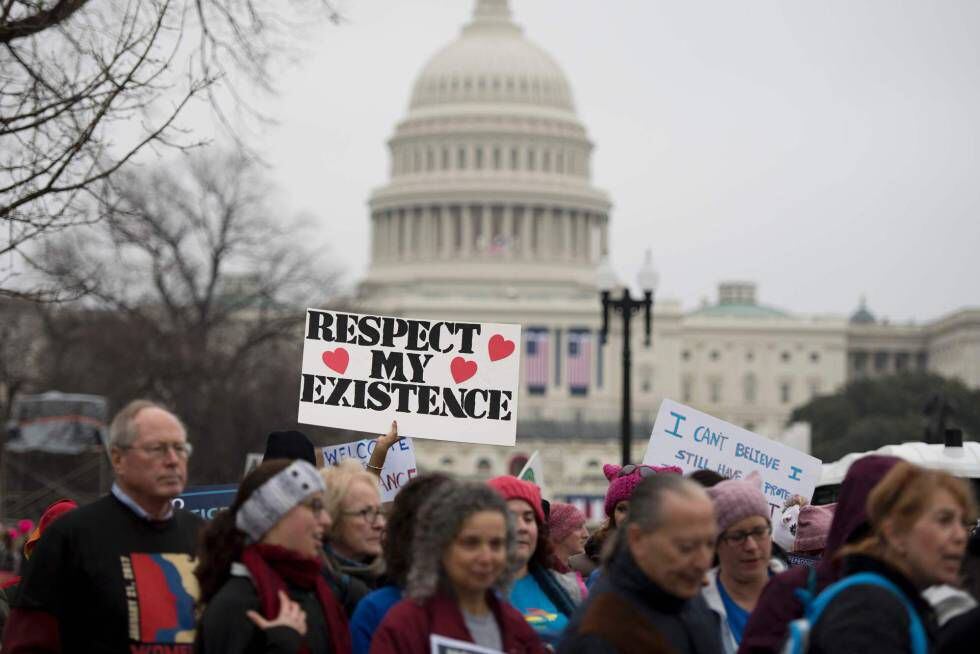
(440, 379)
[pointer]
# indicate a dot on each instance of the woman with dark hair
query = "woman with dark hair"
(545, 598)
(463, 546)
(259, 569)
(918, 520)
(372, 609)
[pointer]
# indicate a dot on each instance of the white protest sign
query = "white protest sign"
(445, 380)
(399, 465)
(693, 440)
(443, 645)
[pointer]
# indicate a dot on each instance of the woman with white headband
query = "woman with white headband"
(259, 568)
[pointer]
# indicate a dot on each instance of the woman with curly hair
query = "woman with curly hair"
(463, 547)
(545, 598)
(259, 569)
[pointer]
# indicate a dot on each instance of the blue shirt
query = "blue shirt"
(370, 611)
(539, 611)
(736, 615)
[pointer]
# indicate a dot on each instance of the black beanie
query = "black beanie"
(289, 445)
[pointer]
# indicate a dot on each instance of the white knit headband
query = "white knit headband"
(276, 497)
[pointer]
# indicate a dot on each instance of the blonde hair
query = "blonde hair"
(339, 479)
(903, 496)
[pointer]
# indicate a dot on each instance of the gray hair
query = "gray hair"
(439, 522)
(646, 503)
(123, 432)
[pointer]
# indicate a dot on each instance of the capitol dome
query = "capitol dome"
(491, 61)
(490, 186)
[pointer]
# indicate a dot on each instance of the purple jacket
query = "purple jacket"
(778, 604)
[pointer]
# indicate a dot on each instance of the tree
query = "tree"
(89, 85)
(195, 295)
(870, 413)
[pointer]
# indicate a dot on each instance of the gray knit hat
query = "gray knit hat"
(276, 497)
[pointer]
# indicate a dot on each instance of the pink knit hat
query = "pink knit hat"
(512, 488)
(812, 527)
(621, 488)
(563, 520)
(737, 499)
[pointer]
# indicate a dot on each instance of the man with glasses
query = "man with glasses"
(116, 575)
(745, 560)
(648, 599)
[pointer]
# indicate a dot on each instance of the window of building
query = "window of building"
(515, 157)
(478, 159)
(921, 361)
(446, 461)
(785, 392)
(445, 159)
(461, 158)
(686, 355)
(750, 356)
(416, 160)
(901, 361)
(750, 387)
(496, 158)
(687, 385)
(714, 390)
(715, 355)
(881, 361)
(814, 386)
(815, 357)
(646, 379)
(484, 467)
(430, 159)
(785, 356)
(750, 425)
(531, 163)
(560, 162)
(546, 161)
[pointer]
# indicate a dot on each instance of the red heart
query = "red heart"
(337, 359)
(500, 347)
(462, 369)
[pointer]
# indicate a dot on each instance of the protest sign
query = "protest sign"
(206, 501)
(445, 380)
(693, 440)
(399, 465)
(443, 645)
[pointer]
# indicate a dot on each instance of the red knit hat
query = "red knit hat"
(512, 488)
(50, 514)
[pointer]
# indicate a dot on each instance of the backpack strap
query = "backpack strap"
(917, 632)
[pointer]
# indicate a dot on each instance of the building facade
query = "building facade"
(490, 215)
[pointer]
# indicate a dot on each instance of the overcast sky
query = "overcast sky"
(824, 150)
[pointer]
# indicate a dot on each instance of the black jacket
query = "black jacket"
(865, 618)
(626, 612)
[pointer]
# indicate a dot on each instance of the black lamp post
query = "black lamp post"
(627, 306)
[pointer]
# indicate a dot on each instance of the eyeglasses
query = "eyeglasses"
(370, 514)
(643, 469)
(314, 504)
(738, 538)
(160, 450)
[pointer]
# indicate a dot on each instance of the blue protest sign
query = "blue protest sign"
(206, 501)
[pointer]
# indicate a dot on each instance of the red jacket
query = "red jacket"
(408, 625)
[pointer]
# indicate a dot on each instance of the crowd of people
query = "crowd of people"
(308, 559)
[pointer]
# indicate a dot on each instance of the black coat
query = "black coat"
(864, 618)
(626, 612)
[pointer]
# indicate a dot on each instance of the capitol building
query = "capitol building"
(490, 215)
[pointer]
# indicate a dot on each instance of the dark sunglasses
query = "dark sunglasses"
(643, 470)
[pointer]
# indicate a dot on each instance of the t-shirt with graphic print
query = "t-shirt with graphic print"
(116, 582)
(539, 611)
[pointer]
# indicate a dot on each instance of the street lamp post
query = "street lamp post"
(627, 306)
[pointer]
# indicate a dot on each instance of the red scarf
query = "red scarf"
(271, 566)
